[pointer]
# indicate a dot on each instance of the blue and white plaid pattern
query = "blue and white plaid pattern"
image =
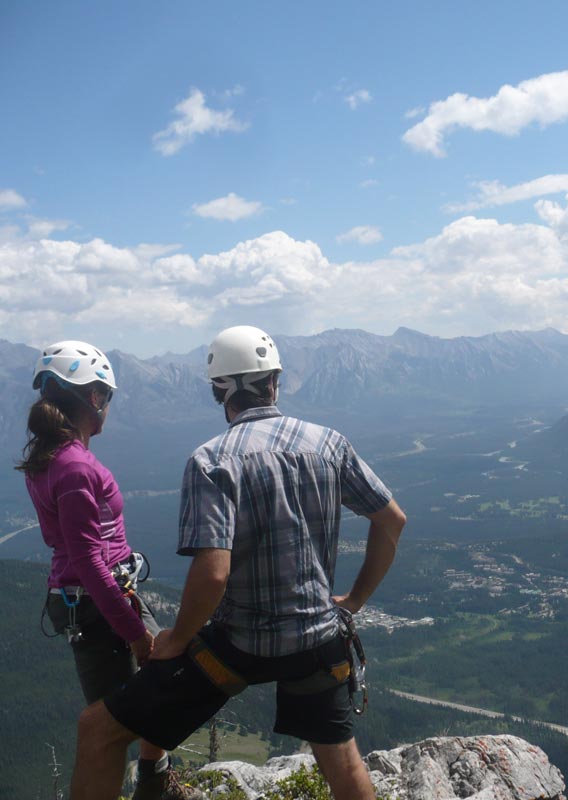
(270, 489)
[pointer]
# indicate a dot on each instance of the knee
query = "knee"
(98, 727)
(90, 721)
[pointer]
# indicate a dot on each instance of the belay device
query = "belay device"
(357, 661)
(127, 575)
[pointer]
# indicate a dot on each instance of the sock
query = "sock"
(147, 766)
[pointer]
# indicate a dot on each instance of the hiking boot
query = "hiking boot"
(164, 786)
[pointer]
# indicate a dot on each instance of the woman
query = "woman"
(79, 508)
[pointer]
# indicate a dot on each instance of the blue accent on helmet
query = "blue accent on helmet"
(74, 366)
(46, 360)
(101, 374)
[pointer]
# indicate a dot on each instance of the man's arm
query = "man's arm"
(384, 532)
(204, 589)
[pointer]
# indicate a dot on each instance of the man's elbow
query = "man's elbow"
(390, 521)
(400, 519)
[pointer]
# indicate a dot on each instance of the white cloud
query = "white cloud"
(50, 288)
(179, 269)
(236, 91)
(9, 232)
(474, 276)
(137, 306)
(42, 228)
(232, 207)
(368, 161)
(362, 234)
(195, 118)
(368, 183)
(494, 193)
(357, 98)
(414, 112)
(11, 199)
(542, 100)
(148, 252)
(553, 214)
(298, 267)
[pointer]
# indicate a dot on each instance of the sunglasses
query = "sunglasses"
(107, 395)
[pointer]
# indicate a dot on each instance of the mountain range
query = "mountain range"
(340, 370)
(392, 395)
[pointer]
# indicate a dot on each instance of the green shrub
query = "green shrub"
(301, 785)
(304, 784)
(210, 779)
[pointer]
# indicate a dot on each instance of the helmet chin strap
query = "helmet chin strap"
(236, 383)
(98, 412)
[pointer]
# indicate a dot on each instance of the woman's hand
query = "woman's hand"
(142, 647)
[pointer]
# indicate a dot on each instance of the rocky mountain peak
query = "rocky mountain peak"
(446, 768)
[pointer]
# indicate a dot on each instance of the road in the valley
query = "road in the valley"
(15, 533)
(484, 712)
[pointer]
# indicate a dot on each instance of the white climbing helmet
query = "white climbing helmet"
(241, 350)
(77, 363)
(240, 356)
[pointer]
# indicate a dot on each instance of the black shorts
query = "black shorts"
(102, 659)
(166, 701)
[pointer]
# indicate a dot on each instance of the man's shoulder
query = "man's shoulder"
(311, 427)
(209, 449)
(275, 433)
(295, 434)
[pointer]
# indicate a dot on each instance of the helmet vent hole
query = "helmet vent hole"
(210, 358)
(82, 352)
(98, 352)
(93, 361)
(56, 352)
(261, 351)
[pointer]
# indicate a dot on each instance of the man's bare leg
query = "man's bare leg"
(343, 769)
(101, 755)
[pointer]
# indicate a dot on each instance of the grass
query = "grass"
(234, 747)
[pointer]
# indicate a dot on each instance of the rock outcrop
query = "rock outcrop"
(477, 767)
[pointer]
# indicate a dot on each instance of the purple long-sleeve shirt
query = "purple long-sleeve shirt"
(79, 508)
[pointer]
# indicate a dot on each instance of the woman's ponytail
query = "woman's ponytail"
(49, 427)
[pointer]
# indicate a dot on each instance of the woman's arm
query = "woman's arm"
(80, 526)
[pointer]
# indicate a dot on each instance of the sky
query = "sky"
(170, 169)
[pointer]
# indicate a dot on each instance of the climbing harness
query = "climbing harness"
(127, 574)
(357, 661)
(222, 676)
(351, 669)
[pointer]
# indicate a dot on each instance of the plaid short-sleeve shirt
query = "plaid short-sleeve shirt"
(270, 489)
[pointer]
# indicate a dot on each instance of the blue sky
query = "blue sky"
(168, 169)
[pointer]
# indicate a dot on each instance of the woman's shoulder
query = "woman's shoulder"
(74, 458)
(71, 451)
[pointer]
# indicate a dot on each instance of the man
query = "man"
(260, 513)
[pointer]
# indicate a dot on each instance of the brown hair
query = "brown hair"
(51, 423)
